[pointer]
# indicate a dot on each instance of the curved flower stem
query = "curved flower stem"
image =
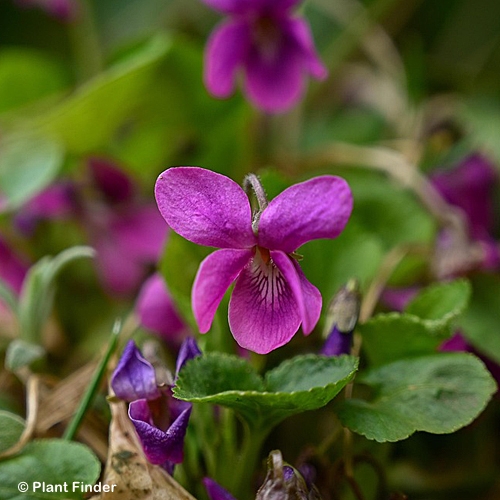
(252, 182)
(253, 439)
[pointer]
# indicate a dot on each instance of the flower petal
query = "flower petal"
(308, 298)
(229, 6)
(337, 343)
(110, 180)
(205, 207)
(263, 310)
(317, 208)
(215, 275)
(215, 491)
(300, 31)
(156, 311)
(159, 446)
(225, 51)
(189, 350)
(134, 377)
(274, 74)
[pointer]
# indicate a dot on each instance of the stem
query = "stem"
(89, 395)
(252, 182)
(244, 468)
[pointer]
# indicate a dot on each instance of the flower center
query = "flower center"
(267, 37)
(264, 254)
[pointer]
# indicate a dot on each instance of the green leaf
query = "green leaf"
(438, 394)
(300, 384)
(386, 211)
(11, 428)
(427, 321)
(87, 120)
(49, 461)
(38, 290)
(28, 163)
(392, 336)
(21, 353)
(441, 303)
(480, 322)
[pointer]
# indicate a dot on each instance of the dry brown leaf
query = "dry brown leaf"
(127, 468)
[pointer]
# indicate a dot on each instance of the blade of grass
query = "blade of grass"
(90, 393)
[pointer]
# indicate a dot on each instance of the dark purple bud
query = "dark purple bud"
(161, 445)
(343, 314)
(189, 350)
(215, 491)
(283, 482)
(134, 377)
(337, 343)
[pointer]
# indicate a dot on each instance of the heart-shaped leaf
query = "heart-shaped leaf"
(299, 384)
(439, 394)
(50, 461)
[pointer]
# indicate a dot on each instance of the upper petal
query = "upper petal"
(308, 297)
(225, 51)
(317, 208)
(215, 275)
(230, 6)
(205, 207)
(263, 310)
(134, 377)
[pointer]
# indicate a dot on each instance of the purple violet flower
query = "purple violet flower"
(134, 377)
(127, 232)
(272, 47)
(469, 186)
(56, 202)
(215, 491)
(271, 296)
(156, 311)
(159, 419)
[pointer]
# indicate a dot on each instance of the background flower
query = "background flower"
(272, 47)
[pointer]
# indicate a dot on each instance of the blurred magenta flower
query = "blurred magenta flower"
(469, 187)
(127, 232)
(272, 47)
(159, 419)
(56, 202)
(271, 296)
(156, 311)
(64, 10)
